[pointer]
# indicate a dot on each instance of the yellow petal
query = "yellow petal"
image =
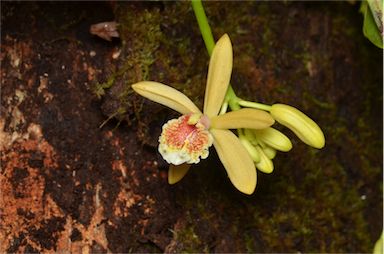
(219, 76)
(274, 139)
(243, 118)
(176, 173)
(265, 165)
(166, 96)
(304, 127)
(236, 160)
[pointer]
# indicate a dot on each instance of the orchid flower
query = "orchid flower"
(186, 140)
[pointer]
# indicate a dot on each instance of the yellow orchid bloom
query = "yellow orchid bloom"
(187, 139)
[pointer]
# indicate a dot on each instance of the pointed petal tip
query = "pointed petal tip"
(224, 39)
(135, 86)
(177, 172)
(141, 85)
(249, 190)
(165, 95)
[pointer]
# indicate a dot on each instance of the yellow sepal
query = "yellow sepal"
(236, 160)
(219, 76)
(176, 173)
(243, 118)
(166, 95)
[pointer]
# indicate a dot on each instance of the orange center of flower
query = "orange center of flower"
(186, 139)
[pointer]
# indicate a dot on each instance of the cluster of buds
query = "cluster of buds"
(263, 144)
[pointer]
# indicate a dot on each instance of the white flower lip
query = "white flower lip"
(184, 141)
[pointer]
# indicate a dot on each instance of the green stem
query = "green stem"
(233, 100)
(251, 104)
(204, 27)
(206, 33)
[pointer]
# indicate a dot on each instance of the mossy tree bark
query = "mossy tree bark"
(105, 189)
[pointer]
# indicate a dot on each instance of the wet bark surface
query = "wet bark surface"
(80, 171)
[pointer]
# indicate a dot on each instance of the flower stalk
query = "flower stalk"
(209, 42)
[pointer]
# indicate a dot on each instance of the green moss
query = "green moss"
(151, 50)
(249, 243)
(315, 101)
(189, 241)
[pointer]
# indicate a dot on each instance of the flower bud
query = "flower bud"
(269, 152)
(251, 149)
(304, 127)
(274, 139)
(265, 165)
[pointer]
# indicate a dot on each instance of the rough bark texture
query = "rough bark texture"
(68, 185)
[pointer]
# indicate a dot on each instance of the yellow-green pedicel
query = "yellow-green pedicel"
(234, 156)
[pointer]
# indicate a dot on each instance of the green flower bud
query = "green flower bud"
(304, 127)
(251, 149)
(269, 152)
(274, 139)
(265, 165)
